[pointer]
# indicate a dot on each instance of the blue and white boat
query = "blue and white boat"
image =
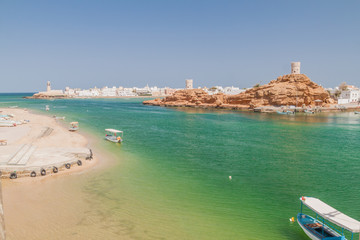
(113, 135)
(285, 112)
(309, 111)
(320, 227)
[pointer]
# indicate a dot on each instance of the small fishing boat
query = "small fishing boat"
(59, 118)
(74, 126)
(320, 227)
(356, 112)
(113, 135)
(309, 111)
(285, 112)
(7, 124)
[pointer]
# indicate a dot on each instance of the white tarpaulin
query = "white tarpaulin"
(331, 214)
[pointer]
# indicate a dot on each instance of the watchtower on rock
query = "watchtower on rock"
(295, 68)
(189, 83)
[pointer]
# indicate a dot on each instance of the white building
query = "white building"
(69, 91)
(233, 90)
(349, 96)
(83, 93)
(109, 92)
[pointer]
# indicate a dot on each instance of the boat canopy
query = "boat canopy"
(72, 123)
(331, 214)
(113, 130)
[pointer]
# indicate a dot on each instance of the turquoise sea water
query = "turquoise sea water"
(172, 177)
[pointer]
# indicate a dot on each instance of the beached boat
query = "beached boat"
(285, 112)
(7, 124)
(113, 135)
(309, 111)
(59, 118)
(356, 112)
(74, 126)
(320, 227)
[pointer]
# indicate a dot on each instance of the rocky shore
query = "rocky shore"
(288, 90)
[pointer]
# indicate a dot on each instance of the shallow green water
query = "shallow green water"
(172, 180)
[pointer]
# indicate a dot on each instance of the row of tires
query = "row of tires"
(13, 175)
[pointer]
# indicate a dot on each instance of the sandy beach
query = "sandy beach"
(40, 142)
(47, 207)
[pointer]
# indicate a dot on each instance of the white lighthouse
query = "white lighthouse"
(48, 86)
(295, 68)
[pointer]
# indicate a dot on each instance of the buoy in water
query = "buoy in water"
(292, 219)
(230, 177)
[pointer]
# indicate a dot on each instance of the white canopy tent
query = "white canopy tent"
(331, 214)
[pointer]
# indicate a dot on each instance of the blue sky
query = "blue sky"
(83, 44)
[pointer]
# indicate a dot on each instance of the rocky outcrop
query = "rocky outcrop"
(49, 95)
(292, 89)
(189, 98)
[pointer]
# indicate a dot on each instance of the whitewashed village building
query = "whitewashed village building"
(351, 95)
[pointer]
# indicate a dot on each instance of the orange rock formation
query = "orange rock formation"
(292, 89)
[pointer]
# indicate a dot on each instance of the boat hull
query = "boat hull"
(303, 221)
(307, 232)
(285, 113)
(113, 140)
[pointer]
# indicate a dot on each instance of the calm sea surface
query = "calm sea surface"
(172, 177)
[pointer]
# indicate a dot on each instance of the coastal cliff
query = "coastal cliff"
(291, 89)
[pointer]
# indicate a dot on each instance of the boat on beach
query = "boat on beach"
(7, 124)
(59, 118)
(113, 135)
(319, 227)
(285, 112)
(308, 111)
(356, 112)
(74, 126)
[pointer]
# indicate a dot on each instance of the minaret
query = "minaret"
(189, 83)
(295, 68)
(48, 87)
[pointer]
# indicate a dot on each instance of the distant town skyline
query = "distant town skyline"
(83, 44)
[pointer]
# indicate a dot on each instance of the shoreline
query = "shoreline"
(263, 109)
(43, 150)
(92, 97)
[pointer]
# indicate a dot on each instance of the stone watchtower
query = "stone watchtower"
(295, 68)
(189, 83)
(48, 86)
